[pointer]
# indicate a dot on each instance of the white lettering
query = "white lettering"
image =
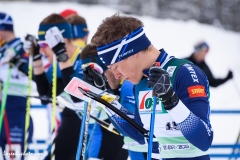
(126, 53)
(192, 72)
(209, 130)
(168, 147)
(131, 101)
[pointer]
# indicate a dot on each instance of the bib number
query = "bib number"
(172, 126)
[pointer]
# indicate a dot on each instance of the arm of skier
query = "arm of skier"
(31, 46)
(187, 103)
(192, 112)
(68, 73)
(215, 82)
(122, 125)
(56, 43)
(95, 78)
(20, 58)
(127, 106)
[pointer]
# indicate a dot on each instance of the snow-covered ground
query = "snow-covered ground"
(176, 37)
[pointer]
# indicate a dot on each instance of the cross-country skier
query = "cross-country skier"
(182, 118)
(13, 123)
(68, 12)
(80, 30)
(109, 143)
(80, 37)
(124, 89)
(55, 37)
(198, 57)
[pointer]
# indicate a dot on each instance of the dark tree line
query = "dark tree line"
(221, 13)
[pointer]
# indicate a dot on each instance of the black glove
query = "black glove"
(230, 75)
(60, 52)
(18, 61)
(15, 59)
(59, 49)
(31, 46)
(160, 82)
(94, 78)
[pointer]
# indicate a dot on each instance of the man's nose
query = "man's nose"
(117, 74)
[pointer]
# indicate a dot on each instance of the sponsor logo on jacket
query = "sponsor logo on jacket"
(192, 72)
(196, 91)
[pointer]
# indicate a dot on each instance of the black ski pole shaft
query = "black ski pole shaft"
(103, 124)
(122, 115)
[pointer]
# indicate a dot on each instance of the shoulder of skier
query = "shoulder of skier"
(17, 45)
(3, 48)
(127, 96)
(77, 67)
(191, 86)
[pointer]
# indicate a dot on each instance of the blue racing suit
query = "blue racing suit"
(13, 128)
(185, 131)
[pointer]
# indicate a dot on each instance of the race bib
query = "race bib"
(145, 105)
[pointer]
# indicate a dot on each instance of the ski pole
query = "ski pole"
(103, 124)
(94, 96)
(4, 99)
(54, 103)
(27, 118)
(80, 141)
(235, 149)
(150, 141)
(6, 124)
(91, 135)
(84, 144)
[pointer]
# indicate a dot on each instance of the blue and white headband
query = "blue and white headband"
(118, 50)
(6, 22)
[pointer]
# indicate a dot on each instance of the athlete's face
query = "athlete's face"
(3, 34)
(129, 69)
(47, 51)
(201, 55)
(112, 81)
